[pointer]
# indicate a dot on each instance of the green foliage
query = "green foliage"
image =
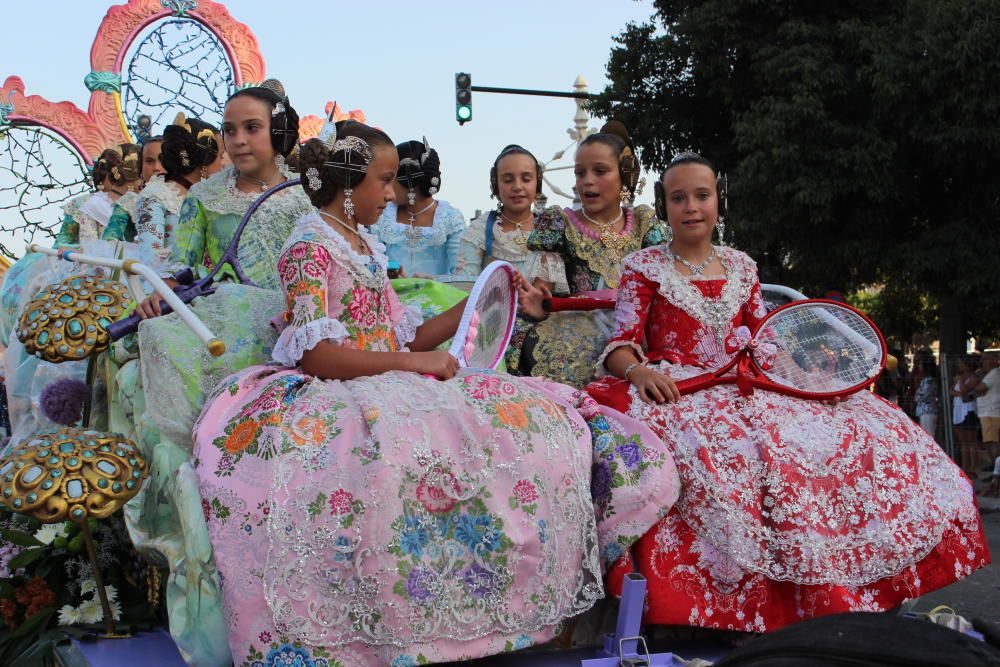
(860, 138)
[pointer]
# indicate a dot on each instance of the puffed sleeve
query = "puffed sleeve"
(635, 299)
(754, 309)
(189, 248)
(549, 234)
(456, 228)
(471, 252)
(151, 227)
(305, 271)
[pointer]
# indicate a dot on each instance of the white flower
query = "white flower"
(88, 586)
(69, 615)
(91, 612)
(49, 532)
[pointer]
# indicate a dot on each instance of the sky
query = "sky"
(394, 60)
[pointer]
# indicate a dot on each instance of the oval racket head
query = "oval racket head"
(824, 349)
(488, 319)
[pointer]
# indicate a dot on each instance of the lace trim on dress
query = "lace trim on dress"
(394, 233)
(311, 224)
(406, 330)
(98, 208)
(741, 275)
(218, 193)
(602, 371)
(295, 341)
(128, 203)
(168, 193)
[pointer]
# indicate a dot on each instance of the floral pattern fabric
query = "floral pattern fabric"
(208, 220)
(431, 251)
(157, 214)
(790, 508)
(396, 517)
(120, 225)
(565, 346)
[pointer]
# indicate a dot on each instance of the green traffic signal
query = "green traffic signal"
(463, 97)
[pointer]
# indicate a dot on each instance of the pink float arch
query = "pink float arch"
(103, 124)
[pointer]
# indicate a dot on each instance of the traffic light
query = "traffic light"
(463, 97)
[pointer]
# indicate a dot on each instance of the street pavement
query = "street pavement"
(978, 595)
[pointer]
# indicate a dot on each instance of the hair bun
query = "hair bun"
(275, 87)
(618, 129)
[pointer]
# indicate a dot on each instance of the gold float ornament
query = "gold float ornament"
(73, 474)
(69, 321)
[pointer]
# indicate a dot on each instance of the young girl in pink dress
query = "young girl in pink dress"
(361, 512)
(789, 508)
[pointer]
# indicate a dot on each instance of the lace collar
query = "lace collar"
(741, 274)
(219, 194)
(128, 203)
(394, 232)
(98, 208)
(169, 194)
(593, 234)
(312, 228)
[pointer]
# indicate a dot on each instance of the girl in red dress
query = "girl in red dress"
(789, 508)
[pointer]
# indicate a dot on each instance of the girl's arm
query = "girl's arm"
(438, 329)
(330, 361)
(69, 232)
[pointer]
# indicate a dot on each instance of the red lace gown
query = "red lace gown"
(789, 508)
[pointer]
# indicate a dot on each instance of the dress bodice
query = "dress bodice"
(589, 264)
(334, 293)
(208, 220)
(664, 315)
(430, 250)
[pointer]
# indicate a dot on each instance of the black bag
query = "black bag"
(864, 640)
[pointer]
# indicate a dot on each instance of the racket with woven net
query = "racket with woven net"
(814, 349)
(488, 319)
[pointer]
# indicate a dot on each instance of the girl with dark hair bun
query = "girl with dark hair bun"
(116, 172)
(191, 152)
(586, 245)
(516, 184)
(259, 129)
(450, 502)
(121, 224)
(419, 232)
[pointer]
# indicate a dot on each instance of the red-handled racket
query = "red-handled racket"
(815, 349)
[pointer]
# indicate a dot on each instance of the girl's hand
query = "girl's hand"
(653, 387)
(529, 299)
(438, 363)
(149, 307)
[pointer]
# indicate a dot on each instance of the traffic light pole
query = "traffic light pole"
(525, 91)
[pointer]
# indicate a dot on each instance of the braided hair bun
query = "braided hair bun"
(421, 169)
(121, 164)
(188, 144)
(343, 163)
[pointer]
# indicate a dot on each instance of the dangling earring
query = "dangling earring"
(348, 203)
(411, 201)
(499, 206)
(668, 236)
(279, 162)
(625, 196)
(721, 226)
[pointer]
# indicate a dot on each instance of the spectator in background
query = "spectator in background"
(988, 405)
(963, 413)
(927, 397)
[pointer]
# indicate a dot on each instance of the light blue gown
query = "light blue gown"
(433, 251)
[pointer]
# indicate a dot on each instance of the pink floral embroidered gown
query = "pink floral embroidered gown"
(789, 508)
(396, 519)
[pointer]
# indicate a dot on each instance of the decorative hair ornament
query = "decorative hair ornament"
(347, 146)
(181, 120)
(312, 178)
(328, 134)
(185, 158)
(435, 181)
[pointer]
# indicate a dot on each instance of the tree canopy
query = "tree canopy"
(861, 139)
